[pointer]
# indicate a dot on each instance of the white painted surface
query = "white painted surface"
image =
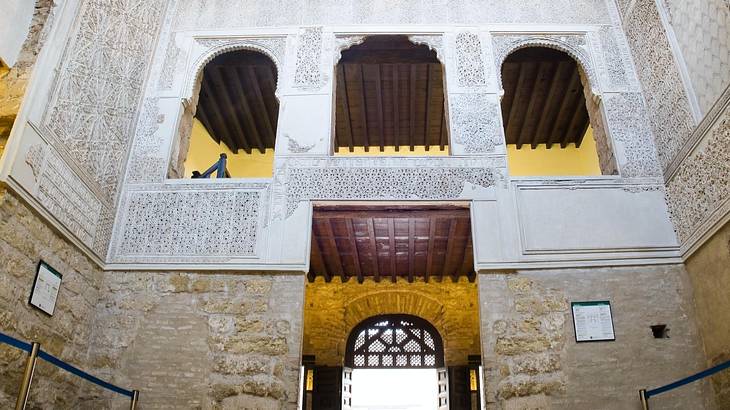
(14, 26)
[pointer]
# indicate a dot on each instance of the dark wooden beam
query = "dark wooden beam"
(449, 248)
(336, 258)
(443, 135)
(522, 138)
(514, 120)
(379, 103)
(261, 106)
(353, 244)
(241, 94)
(431, 244)
(564, 106)
(342, 90)
(363, 109)
(549, 102)
(412, 100)
(317, 254)
(396, 112)
(391, 243)
(571, 133)
(426, 121)
(374, 246)
(219, 75)
(211, 97)
(411, 249)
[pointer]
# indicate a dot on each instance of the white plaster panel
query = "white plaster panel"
(14, 26)
(304, 125)
(593, 219)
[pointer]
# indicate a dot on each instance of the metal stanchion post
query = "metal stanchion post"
(27, 376)
(135, 399)
(644, 400)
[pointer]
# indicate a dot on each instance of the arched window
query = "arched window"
(235, 113)
(394, 341)
(390, 99)
(552, 123)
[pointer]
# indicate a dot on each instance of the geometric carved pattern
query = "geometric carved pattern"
(469, 62)
(627, 120)
(309, 58)
(431, 179)
(475, 122)
(394, 341)
(99, 86)
(699, 190)
(667, 102)
(166, 226)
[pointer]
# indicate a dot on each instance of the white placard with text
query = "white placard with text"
(592, 321)
(45, 288)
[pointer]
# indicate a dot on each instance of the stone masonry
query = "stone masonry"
(209, 341)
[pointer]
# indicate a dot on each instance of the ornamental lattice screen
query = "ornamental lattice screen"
(394, 342)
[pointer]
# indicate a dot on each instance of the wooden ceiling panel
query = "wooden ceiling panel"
(377, 242)
(237, 103)
(543, 99)
(390, 92)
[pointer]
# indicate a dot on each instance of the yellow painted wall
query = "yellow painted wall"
(418, 151)
(204, 151)
(568, 161)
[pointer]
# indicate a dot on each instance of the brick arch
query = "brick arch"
(450, 307)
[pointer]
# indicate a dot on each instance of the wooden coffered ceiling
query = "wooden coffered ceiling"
(237, 105)
(390, 92)
(543, 99)
(391, 242)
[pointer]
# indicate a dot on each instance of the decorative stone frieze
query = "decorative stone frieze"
(173, 57)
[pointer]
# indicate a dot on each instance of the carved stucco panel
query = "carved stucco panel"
(94, 102)
(626, 117)
(471, 70)
(147, 162)
(189, 221)
(475, 122)
(391, 179)
(668, 106)
(308, 68)
(434, 41)
(700, 187)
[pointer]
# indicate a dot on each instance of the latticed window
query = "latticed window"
(394, 341)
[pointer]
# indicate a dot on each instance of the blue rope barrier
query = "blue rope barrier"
(9, 340)
(686, 380)
(65, 366)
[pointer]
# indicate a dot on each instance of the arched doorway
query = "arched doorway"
(394, 361)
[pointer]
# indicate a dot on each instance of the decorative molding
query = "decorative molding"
(476, 122)
(434, 41)
(173, 57)
(273, 47)
(308, 68)
(384, 179)
(147, 163)
(342, 43)
(63, 194)
(575, 45)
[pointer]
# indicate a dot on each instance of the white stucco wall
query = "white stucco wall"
(14, 25)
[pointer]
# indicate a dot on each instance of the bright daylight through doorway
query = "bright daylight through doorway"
(394, 389)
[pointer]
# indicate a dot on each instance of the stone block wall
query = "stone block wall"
(190, 340)
(709, 271)
(24, 240)
(333, 309)
(531, 357)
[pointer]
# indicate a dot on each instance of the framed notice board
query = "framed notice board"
(593, 321)
(46, 284)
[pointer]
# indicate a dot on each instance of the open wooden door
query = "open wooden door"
(443, 386)
(346, 388)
